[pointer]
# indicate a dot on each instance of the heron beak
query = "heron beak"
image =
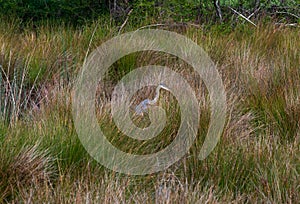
(165, 87)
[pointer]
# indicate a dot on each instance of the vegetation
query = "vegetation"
(78, 12)
(256, 160)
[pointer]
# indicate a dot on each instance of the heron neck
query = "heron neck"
(156, 96)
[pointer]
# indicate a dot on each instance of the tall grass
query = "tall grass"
(256, 160)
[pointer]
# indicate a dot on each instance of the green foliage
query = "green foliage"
(176, 10)
(75, 11)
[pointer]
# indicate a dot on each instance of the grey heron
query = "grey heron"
(142, 107)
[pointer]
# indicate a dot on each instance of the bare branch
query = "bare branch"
(288, 24)
(256, 10)
(291, 14)
(218, 9)
(244, 17)
(124, 23)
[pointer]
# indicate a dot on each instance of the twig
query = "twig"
(291, 14)
(90, 44)
(152, 25)
(244, 17)
(124, 23)
(218, 9)
(169, 25)
(195, 25)
(256, 10)
(289, 24)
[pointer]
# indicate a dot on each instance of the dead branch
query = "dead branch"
(124, 23)
(244, 17)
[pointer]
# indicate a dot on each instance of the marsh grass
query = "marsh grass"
(256, 159)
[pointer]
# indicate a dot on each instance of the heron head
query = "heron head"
(163, 86)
